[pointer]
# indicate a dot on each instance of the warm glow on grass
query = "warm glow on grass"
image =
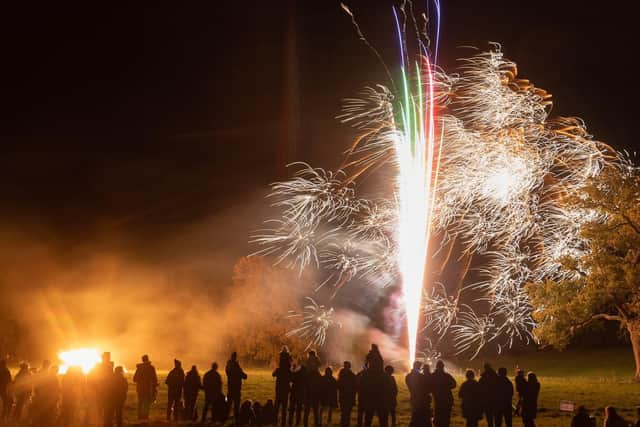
(83, 358)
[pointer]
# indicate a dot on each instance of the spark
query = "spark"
(439, 309)
(316, 321)
(473, 332)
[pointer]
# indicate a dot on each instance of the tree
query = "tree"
(257, 312)
(605, 283)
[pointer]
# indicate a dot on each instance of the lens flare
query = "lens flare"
(84, 358)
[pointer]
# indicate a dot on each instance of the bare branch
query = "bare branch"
(630, 223)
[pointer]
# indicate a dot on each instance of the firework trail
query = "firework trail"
(416, 157)
(482, 183)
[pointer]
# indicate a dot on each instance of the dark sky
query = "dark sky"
(152, 129)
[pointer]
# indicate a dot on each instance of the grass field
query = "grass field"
(594, 378)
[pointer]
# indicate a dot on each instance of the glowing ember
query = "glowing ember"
(83, 358)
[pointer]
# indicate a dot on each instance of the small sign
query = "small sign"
(567, 406)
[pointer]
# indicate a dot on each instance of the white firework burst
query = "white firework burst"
(316, 320)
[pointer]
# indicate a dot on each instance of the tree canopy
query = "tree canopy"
(605, 279)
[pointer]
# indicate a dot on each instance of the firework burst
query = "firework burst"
(481, 182)
(316, 320)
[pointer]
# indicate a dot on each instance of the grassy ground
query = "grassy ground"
(593, 378)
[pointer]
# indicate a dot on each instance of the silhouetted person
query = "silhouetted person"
(99, 381)
(51, 391)
(146, 381)
(5, 382)
(442, 384)
(283, 386)
(428, 378)
(118, 394)
(531, 391)
(419, 398)
(212, 386)
(246, 416)
(504, 399)
(297, 394)
(313, 394)
(361, 397)
(393, 396)
(46, 394)
(521, 383)
(374, 359)
(347, 388)
(257, 414)
(269, 414)
(313, 362)
(582, 418)
(192, 385)
(22, 389)
(72, 384)
(637, 423)
(329, 397)
(284, 358)
(38, 395)
(175, 384)
(489, 387)
(235, 375)
(611, 417)
(221, 409)
(471, 396)
(375, 389)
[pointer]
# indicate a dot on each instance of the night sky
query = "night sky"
(151, 130)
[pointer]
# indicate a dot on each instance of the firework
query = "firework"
(482, 182)
(416, 156)
(439, 310)
(473, 331)
(316, 320)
